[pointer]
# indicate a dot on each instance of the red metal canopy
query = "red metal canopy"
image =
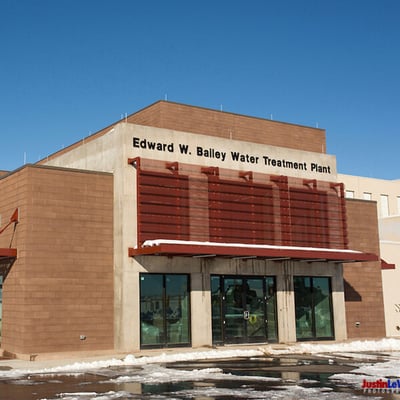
(277, 253)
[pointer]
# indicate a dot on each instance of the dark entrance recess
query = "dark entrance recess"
(243, 309)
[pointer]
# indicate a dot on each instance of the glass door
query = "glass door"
(243, 309)
(235, 317)
(255, 321)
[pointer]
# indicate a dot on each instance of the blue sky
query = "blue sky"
(71, 67)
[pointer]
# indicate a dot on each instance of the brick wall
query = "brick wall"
(363, 281)
(61, 285)
(181, 117)
(186, 118)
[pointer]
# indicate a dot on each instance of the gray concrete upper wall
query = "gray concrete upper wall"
(129, 140)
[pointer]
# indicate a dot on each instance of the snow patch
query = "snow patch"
(355, 346)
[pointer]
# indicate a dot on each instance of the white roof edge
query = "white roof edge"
(157, 242)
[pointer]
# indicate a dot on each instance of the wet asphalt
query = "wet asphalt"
(277, 377)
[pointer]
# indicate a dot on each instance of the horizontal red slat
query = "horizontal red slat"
(173, 205)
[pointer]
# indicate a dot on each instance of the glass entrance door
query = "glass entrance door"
(243, 309)
(254, 307)
(234, 320)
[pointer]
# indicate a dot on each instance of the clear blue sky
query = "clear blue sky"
(71, 67)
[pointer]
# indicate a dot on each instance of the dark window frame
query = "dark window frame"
(165, 343)
(221, 306)
(313, 322)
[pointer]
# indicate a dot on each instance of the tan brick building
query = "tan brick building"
(385, 194)
(184, 226)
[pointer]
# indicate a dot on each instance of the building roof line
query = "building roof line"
(108, 128)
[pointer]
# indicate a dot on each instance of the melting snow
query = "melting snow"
(152, 370)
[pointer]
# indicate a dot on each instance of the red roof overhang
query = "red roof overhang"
(277, 253)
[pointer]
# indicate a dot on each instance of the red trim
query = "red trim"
(197, 250)
(385, 265)
(246, 175)
(135, 162)
(14, 216)
(13, 219)
(5, 253)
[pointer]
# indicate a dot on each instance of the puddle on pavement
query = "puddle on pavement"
(284, 377)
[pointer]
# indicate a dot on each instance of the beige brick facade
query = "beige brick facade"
(363, 281)
(61, 285)
(73, 277)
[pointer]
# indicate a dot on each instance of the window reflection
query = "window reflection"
(164, 310)
(314, 319)
(243, 309)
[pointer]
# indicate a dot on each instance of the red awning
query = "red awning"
(231, 250)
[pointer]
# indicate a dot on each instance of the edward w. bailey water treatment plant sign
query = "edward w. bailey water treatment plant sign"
(236, 154)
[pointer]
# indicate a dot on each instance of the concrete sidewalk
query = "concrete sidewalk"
(9, 364)
(54, 360)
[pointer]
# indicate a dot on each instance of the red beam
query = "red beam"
(13, 219)
(8, 253)
(386, 265)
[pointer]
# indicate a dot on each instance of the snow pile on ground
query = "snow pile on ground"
(131, 360)
(384, 370)
(355, 346)
(299, 348)
(157, 374)
(151, 370)
(291, 393)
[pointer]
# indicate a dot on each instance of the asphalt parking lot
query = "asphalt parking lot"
(305, 376)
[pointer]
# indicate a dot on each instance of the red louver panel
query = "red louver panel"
(189, 202)
(240, 212)
(309, 218)
(163, 205)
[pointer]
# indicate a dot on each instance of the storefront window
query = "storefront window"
(314, 319)
(164, 310)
